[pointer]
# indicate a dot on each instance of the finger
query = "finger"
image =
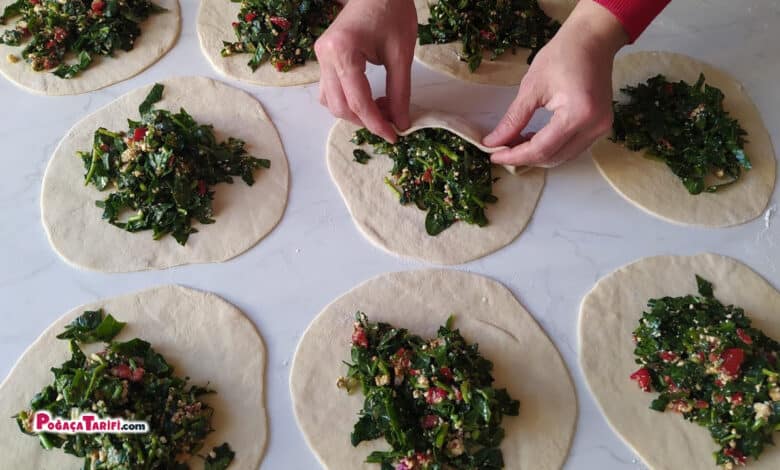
(576, 147)
(543, 146)
(334, 97)
(516, 118)
(358, 94)
(398, 87)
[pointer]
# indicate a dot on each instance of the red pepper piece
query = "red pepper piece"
(744, 336)
(60, 34)
(487, 35)
(732, 361)
(249, 17)
(123, 371)
(139, 133)
(427, 176)
(736, 455)
(435, 395)
(359, 337)
(279, 21)
(668, 356)
(98, 6)
(201, 187)
(430, 421)
(642, 377)
(280, 41)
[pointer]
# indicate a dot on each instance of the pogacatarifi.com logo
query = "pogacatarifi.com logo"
(87, 423)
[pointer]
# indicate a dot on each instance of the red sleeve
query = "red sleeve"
(634, 15)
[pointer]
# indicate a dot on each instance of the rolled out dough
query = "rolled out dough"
(507, 69)
(650, 185)
(198, 333)
(214, 26)
(244, 214)
(609, 314)
(399, 229)
(158, 35)
(525, 362)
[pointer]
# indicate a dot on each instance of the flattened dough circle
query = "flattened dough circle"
(244, 214)
(214, 26)
(400, 230)
(158, 35)
(525, 362)
(609, 314)
(507, 70)
(651, 186)
(197, 332)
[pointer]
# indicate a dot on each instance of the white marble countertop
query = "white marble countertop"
(581, 230)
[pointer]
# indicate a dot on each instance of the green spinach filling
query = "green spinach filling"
(708, 363)
(128, 380)
(439, 172)
(53, 31)
(162, 170)
(432, 400)
(686, 127)
(281, 32)
(496, 26)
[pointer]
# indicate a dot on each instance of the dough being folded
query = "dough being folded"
(399, 229)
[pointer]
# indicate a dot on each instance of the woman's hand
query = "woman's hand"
(572, 77)
(382, 32)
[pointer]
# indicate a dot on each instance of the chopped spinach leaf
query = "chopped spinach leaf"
(154, 96)
(361, 156)
(53, 30)
(281, 32)
(91, 327)
(686, 127)
(432, 400)
(219, 458)
(163, 169)
(708, 363)
(129, 380)
(496, 26)
(440, 172)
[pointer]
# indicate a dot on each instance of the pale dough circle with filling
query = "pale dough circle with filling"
(244, 214)
(507, 69)
(611, 312)
(214, 26)
(525, 361)
(158, 35)
(649, 183)
(198, 333)
(400, 229)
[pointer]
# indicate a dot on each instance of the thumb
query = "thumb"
(514, 121)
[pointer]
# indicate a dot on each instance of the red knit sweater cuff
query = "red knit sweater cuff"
(634, 15)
